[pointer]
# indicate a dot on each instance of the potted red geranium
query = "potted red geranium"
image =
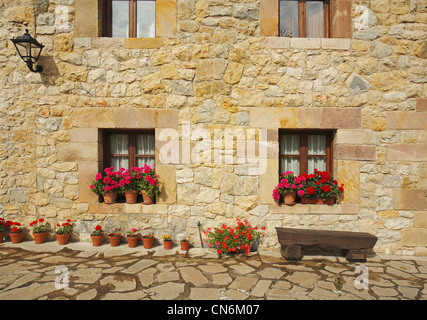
(149, 184)
(63, 232)
(286, 190)
(115, 238)
(148, 240)
(16, 232)
(108, 185)
(97, 236)
(320, 187)
(129, 180)
(228, 239)
(40, 228)
(4, 226)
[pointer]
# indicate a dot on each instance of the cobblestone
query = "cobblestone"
(27, 272)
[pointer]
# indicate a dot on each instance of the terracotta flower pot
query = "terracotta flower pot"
(63, 238)
(1, 236)
(16, 237)
(39, 238)
(96, 240)
(148, 242)
(289, 197)
(328, 201)
(131, 196)
(114, 239)
(110, 197)
(147, 199)
(185, 245)
(167, 245)
(132, 241)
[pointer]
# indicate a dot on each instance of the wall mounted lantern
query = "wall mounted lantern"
(29, 50)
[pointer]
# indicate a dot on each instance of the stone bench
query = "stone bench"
(353, 245)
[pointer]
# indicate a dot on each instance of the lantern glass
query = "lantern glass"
(29, 49)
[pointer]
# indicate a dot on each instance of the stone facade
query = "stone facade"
(216, 66)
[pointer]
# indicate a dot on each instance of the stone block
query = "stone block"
(93, 117)
(84, 135)
(143, 43)
(87, 18)
(87, 172)
(106, 208)
(410, 199)
(166, 17)
(336, 43)
(278, 43)
(269, 18)
(347, 175)
(414, 237)
(268, 181)
(407, 120)
(350, 136)
(407, 152)
(322, 118)
(167, 175)
(356, 152)
(306, 43)
(77, 151)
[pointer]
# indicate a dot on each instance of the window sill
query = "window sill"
(124, 208)
(307, 43)
(336, 209)
(143, 43)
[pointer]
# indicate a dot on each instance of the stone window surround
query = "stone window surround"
(88, 18)
(340, 18)
(349, 149)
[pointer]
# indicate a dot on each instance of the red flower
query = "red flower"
(219, 251)
(41, 220)
(341, 189)
(310, 190)
(98, 228)
(326, 189)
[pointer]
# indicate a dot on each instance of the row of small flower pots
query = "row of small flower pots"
(132, 238)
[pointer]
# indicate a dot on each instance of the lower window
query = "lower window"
(304, 151)
(128, 148)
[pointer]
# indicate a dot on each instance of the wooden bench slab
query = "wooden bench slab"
(352, 244)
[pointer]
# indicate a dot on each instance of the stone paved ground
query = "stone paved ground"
(27, 272)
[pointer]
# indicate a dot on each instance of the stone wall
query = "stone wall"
(211, 68)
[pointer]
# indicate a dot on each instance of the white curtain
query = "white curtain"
(146, 19)
(145, 146)
(120, 19)
(316, 145)
(314, 19)
(120, 145)
(290, 145)
(288, 11)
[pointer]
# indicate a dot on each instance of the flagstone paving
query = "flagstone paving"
(32, 272)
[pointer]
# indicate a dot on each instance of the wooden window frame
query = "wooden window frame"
(302, 23)
(107, 25)
(304, 156)
(132, 133)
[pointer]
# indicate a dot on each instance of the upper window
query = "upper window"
(304, 151)
(129, 18)
(130, 148)
(304, 18)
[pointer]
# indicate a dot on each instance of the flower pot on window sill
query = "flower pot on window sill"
(289, 198)
(131, 196)
(328, 201)
(110, 197)
(147, 199)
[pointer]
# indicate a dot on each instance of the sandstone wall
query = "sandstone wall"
(211, 67)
